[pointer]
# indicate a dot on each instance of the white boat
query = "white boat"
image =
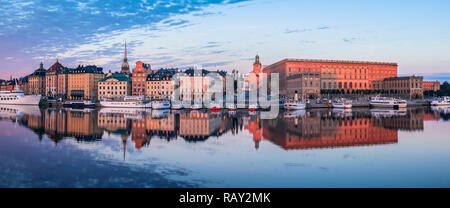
(294, 105)
(17, 97)
(163, 113)
(125, 104)
(177, 105)
(441, 101)
(196, 106)
(231, 106)
(387, 102)
(341, 103)
(253, 107)
(130, 98)
(161, 104)
(215, 107)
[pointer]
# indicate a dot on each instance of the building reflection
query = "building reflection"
(291, 130)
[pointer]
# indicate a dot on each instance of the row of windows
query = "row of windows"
(15, 98)
(350, 85)
(113, 93)
(112, 88)
(335, 71)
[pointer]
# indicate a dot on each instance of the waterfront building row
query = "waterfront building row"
(312, 78)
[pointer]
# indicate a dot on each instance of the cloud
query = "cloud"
(323, 28)
(90, 30)
(288, 31)
(222, 63)
(349, 40)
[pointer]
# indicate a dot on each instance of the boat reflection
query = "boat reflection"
(296, 130)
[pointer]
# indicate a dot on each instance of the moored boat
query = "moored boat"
(17, 97)
(125, 104)
(231, 106)
(387, 102)
(79, 104)
(215, 107)
(161, 104)
(441, 101)
(342, 103)
(294, 105)
(253, 107)
(177, 106)
(196, 106)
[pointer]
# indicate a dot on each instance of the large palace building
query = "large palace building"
(345, 76)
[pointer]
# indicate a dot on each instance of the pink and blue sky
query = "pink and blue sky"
(224, 34)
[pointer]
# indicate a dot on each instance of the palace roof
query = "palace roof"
(119, 76)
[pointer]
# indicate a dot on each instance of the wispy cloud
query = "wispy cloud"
(323, 28)
(288, 31)
(90, 30)
(349, 40)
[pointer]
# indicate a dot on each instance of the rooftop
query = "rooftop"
(334, 62)
(119, 76)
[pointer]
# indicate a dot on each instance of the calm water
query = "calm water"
(130, 148)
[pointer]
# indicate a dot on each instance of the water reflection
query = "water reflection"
(291, 130)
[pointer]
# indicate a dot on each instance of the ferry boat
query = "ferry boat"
(387, 102)
(342, 103)
(441, 101)
(79, 104)
(253, 107)
(125, 104)
(294, 105)
(17, 97)
(231, 106)
(161, 104)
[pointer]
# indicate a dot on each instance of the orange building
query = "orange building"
(51, 79)
(335, 75)
(431, 86)
(139, 78)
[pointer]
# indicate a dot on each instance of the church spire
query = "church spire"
(125, 57)
(257, 60)
(125, 66)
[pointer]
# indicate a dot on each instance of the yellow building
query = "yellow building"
(114, 87)
(83, 82)
(160, 84)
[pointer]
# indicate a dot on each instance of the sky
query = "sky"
(223, 34)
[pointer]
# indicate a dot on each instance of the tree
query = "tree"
(445, 89)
